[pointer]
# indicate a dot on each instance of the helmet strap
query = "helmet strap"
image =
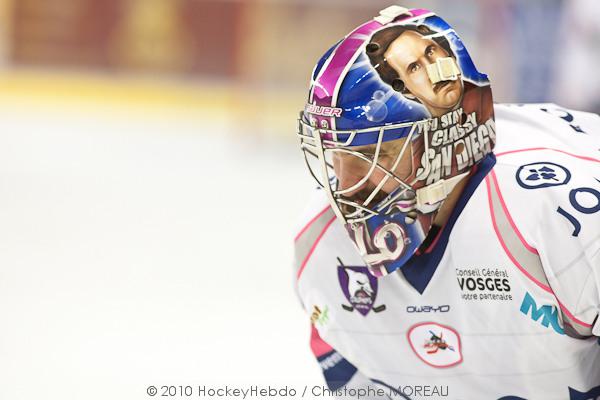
(437, 192)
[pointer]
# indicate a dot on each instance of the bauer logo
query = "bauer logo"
(435, 344)
(322, 110)
(360, 288)
(542, 174)
(593, 394)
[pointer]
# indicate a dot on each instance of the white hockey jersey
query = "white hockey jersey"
(505, 302)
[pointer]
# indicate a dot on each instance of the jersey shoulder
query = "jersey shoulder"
(313, 224)
(546, 125)
(548, 197)
(315, 206)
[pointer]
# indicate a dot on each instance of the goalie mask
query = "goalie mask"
(397, 115)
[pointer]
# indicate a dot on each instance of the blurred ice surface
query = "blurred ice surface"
(144, 249)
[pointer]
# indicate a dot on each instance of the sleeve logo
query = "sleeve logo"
(542, 174)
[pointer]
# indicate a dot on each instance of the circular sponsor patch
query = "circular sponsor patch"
(435, 344)
(542, 174)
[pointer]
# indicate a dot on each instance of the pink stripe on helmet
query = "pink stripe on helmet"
(334, 71)
(328, 79)
(345, 52)
(415, 12)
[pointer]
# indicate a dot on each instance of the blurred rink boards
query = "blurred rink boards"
(150, 182)
(536, 50)
(144, 245)
(147, 217)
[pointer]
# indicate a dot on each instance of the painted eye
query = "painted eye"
(430, 51)
(414, 67)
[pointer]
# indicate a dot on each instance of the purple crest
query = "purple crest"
(360, 288)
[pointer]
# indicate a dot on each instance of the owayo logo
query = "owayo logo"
(426, 309)
(360, 288)
(542, 174)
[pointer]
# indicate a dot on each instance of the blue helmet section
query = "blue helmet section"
(383, 104)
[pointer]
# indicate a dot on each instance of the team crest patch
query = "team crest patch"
(542, 174)
(360, 288)
(435, 344)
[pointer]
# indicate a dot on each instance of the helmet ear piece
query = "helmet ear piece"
(398, 85)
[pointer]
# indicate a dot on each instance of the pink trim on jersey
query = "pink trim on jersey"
(566, 311)
(501, 240)
(510, 220)
(310, 223)
(318, 345)
(514, 261)
(314, 246)
(547, 148)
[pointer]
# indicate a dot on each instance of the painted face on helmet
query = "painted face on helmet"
(410, 55)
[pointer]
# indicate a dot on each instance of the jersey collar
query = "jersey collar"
(419, 270)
